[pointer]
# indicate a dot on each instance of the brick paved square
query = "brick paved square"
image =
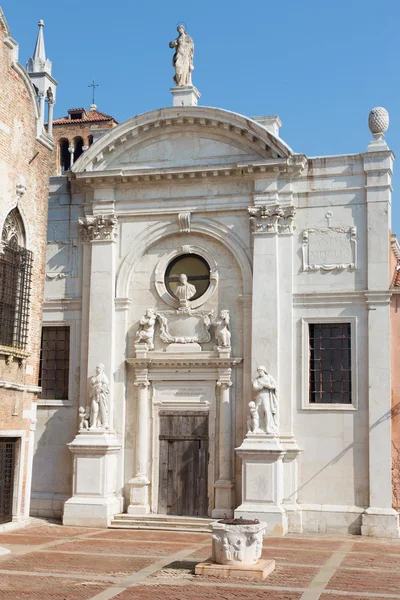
(26, 587)
(58, 562)
(121, 547)
(157, 536)
(296, 556)
(299, 542)
(365, 581)
(345, 596)
(376, 560)
(391, 548)
(199, 592)
(56, 531)
(25, 540)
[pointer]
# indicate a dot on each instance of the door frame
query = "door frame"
(18, 473)
(186, 407)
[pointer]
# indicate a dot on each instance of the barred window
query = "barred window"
(330, 363)
(15, 283)
(54, 363)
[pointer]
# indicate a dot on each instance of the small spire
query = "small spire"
(39, 63)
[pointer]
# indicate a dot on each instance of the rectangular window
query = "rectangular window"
(54, 363)
(330, 363)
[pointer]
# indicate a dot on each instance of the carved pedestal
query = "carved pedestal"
(94, 501)
(187, 95)
(262, 482)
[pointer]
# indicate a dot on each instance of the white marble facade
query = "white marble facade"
(289, 240)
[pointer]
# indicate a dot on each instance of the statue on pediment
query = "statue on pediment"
(183, 57)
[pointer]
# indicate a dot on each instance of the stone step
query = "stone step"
(160, 522)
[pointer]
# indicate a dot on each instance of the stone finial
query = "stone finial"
(378, 122)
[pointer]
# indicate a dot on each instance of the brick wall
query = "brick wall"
(23, 159)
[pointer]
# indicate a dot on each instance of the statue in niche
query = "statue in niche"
(99, 390)
(266, 401)
(184, 290)
(222, 330)
(147, 324)
(183, 57)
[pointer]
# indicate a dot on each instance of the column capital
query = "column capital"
(272, 219)
(103, 228)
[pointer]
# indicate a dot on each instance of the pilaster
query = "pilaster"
(379, 519)
(224, 487)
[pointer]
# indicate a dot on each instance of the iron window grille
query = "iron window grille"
(54, 363)
(15, 287)
(330, 363)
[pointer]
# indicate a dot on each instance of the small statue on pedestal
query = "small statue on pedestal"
(222, 330)
(84, 416)
(183, 57)
(99, 390)
(145, 333)
(266, 404)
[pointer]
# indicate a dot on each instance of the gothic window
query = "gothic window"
(64, 155)
(78, 147)
(15, 283)
(54, 363)
(194, 267)
(330, 363)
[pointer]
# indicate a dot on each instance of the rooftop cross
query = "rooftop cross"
(94, 86)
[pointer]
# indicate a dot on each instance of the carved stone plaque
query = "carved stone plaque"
(183, 391)
(330, 248)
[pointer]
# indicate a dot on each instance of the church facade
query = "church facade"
(221, 304)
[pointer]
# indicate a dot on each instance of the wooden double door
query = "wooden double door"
(183, 464)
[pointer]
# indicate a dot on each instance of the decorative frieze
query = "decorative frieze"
(329, 249)
(272, 218)
(98, 228)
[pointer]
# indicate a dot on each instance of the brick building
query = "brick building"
(74, 134)
(25, 162)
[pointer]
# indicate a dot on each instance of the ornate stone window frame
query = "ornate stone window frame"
(162, 266)
(305, 359)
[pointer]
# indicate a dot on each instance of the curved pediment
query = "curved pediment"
(181, 137)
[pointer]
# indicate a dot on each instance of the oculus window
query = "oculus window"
(330, 363)
(197, 272)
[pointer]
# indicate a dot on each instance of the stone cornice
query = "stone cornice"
(183, 362)
(289, 167)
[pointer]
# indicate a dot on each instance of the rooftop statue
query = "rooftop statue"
(183, 57)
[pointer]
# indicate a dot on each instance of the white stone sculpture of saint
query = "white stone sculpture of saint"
(266, 400)
(99, 390)
(253, 422)
(222, 330)
(145, 333)
(183, 57)
(184, 290)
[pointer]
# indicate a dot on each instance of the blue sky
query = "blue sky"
(321, 65)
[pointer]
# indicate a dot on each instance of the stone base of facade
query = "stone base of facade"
(275, 516)
(47, 505)
(259, 571)
(378, 522)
